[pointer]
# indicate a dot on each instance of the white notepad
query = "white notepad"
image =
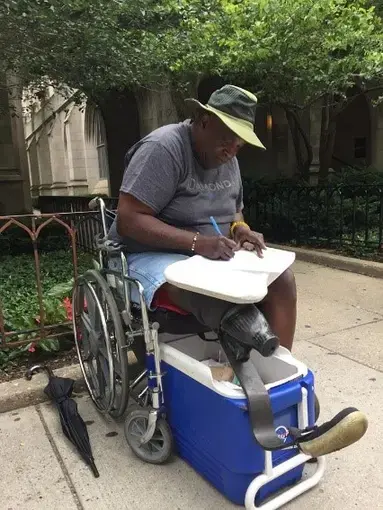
(243, 279)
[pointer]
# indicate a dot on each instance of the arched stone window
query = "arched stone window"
(95, 131)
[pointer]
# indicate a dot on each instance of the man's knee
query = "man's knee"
(174, 293)
(284, 286)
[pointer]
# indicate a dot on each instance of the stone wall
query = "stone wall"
(156, 108)
(14, 181)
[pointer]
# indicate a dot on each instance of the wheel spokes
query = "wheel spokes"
(93, 336)
(103, 375)
(138, 429)
(99, 339)
(92, 309)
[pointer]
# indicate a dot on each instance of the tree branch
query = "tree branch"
(306, 142)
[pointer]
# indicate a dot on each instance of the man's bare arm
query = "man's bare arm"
(239, 217)
(137, 220)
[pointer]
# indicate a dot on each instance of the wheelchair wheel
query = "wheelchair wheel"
(101, 343)
(159, 449)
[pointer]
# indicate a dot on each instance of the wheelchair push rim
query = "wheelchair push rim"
(100, 343)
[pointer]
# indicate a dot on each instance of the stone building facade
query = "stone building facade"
(62, 159)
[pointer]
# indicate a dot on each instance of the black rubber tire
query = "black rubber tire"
(121, 385)
(159, 449)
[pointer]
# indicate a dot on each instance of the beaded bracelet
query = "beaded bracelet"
(194, 242)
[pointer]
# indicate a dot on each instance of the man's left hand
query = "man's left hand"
(249, 240)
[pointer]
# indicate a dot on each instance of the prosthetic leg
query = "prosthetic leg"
(244, 328)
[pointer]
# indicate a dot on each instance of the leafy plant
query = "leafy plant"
(19, 298)
(14, 241)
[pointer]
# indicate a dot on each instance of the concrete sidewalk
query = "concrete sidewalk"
(339, 336)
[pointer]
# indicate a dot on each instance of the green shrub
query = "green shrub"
(16, 241)
(353, 176)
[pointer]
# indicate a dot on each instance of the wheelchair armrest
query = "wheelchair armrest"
(106, 245)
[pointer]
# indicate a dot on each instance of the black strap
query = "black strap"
(259, 406)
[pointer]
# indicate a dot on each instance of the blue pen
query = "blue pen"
(215, 225)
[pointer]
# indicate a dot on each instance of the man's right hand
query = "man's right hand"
(137, 221)
(216, 247)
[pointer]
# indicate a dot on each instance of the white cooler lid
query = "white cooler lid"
(243, 279)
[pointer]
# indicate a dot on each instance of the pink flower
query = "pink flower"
(68, 308)
(32, 347)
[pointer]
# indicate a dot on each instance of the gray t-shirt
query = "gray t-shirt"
(162, 172)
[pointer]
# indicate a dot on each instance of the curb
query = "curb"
(22, 393)
(365, 267)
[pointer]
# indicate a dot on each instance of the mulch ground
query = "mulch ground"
(19, 367)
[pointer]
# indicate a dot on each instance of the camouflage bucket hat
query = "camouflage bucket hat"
(236, 108)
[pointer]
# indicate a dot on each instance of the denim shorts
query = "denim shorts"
(148, 268)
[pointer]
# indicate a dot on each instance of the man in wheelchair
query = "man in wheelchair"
(176, 179)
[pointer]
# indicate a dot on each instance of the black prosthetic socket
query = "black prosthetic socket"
(245, 328)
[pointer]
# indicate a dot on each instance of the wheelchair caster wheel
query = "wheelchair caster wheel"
(159, 448)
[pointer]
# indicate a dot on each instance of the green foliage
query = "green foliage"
(353, 176)
(291, 51)
(92, 46)
(378, 5)
(18, 295)
(19, 291)
(15, 241)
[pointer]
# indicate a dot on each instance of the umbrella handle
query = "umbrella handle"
(94, 469)
(36, 368)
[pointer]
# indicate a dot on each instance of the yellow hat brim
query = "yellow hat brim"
(240, 127)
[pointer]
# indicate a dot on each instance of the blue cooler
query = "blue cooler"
(211, 426)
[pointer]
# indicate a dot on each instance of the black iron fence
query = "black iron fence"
(39, 260)
(326, 216)
(76, 205)
(72, 204)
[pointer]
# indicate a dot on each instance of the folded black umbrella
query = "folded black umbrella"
(59, 390)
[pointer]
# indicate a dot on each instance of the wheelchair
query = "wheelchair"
(113, 337)
(149, 368)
